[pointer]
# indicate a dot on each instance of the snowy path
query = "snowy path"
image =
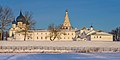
(76, 56)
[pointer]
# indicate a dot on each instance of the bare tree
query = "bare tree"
(26, 28)
(30, 23)
(55, 32)
(6, 17)
(116, 34)
(29, 18)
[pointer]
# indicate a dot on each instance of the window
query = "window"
(68, 33)
(45, 37)
(94, 36)
(20, 24)
(37, 38)
(68, 37)
(41, 33)
(97, 36)
(46, 33)
(41, 37)
(37, 33)
(64, 37)
(72, 33)
(61, 38)
(100, 36)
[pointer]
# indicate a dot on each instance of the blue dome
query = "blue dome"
(91, 26)
(21, 18)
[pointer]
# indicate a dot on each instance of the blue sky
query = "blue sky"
(102, 14)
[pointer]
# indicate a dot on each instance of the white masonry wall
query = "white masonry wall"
(43, 35)
(101, 38)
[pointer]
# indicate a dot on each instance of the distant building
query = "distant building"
(18, 26)
(92, 35)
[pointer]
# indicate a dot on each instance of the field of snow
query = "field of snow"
(61, 43)
(59, 46)
(65, 56)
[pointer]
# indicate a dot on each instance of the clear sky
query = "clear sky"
(102, 14)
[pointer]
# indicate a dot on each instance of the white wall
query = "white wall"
(101, 38)
(44, 36)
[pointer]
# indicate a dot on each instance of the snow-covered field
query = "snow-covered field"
(61, 43)
(65, 56)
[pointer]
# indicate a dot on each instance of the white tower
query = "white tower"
(91, 27)
(66, 24)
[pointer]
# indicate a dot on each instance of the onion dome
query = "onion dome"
(66, 10)
(91, 26)
(14, 22)
(20, 18)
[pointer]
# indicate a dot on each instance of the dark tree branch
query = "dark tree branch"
(29, 18)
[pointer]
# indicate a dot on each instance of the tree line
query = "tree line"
(116, 34)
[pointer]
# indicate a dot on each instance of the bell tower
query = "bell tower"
(66, 24)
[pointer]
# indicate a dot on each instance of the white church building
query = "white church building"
(90, 34)
(84, 34)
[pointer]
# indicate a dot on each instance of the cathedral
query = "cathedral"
(19, 25)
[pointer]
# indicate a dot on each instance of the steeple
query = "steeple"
(66, 24)
(20, 13)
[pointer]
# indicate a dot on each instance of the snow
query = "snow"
(64, 56)
(61, 43)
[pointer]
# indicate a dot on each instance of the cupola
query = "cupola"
(21, 18)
